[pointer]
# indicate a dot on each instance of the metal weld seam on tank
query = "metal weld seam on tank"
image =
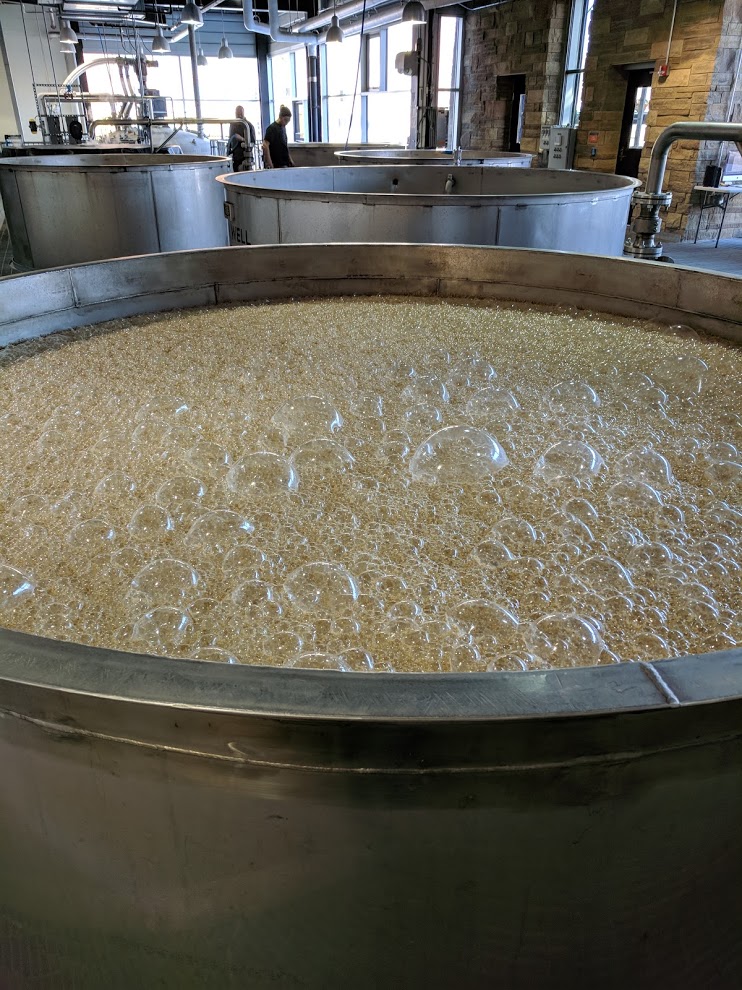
(601, 759)
(658, 680)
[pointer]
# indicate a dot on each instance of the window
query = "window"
(574, 69)
(448, 78)
(374, 77)
(288, 82)
(639, 121)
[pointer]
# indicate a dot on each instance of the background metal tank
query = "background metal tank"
(65, 209)
(511, 207)
(192, 825)
(422, 156)
(313, 153)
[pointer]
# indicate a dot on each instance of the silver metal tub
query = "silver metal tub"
(537, 208)
(421, 156)
(184, 824)
(65, 209)
(317, 153)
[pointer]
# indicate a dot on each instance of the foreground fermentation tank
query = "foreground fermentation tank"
(510, 207)
(390, 156)
(197, 825)
(65, 209)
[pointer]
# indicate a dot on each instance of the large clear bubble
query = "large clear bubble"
(564, 640)
(262, 474)
(569, 460)
(458, 455)
(307, 418)
(644, 464)
(572, 396)
(167, 581)
(321, 460)
(14, 586)
(322, 586)
(218, 531)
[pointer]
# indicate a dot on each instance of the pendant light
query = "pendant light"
(201, 58)
(225, 51)
(67, 48)
(192, 15)
(334, 32)
(160, 44)
(413, 12)
(67, 35)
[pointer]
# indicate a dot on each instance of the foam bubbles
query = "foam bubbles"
(323, 586)
(569, 460)
(307, 418)
(458, 455)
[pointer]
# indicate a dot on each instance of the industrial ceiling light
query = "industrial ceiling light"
(225, 51)
(413, 12)
(334, 32)
(67, 35)
(192, 15)
(160, 44)
(67, 48)
(201, 58)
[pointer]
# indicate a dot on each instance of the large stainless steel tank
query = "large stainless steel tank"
(186, 824)
(64, 209)
(387, 156)
(511, 207)
(318, 153)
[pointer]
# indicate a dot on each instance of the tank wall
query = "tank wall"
(313, 154)
(181, 825)
(59, 215)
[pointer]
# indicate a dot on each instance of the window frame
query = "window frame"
(574, 62)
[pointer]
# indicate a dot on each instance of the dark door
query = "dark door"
(633, 125)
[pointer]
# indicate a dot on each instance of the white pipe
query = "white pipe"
(248, 17)
(276, 32)
(102, 60)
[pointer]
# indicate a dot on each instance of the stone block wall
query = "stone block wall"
(529, 37)
(525, 37)
(627, 32)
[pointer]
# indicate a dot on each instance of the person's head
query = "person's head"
(239, 112)
(284, 115)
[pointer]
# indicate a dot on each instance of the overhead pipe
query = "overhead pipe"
(119, 60)
(251, 24)
(651, 199)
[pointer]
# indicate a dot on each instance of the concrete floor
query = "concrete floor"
(727, 258)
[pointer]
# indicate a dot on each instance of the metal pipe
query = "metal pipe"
(314, 95)
(647, 225)
(276, 32)
(248, 18)
(194, 73)
(102, 60)
(701, 130)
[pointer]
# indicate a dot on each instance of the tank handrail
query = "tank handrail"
(155, 121)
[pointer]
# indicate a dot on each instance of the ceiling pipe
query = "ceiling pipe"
(119, 60)
(248, 18)
(277, 33)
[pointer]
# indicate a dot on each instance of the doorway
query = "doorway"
(634, 122)
(511, 96)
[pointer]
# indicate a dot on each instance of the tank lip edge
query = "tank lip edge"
(54, 665)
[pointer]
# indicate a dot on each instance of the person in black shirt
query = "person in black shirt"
(275, 143)
(241, 141)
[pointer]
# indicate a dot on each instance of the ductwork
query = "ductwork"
(651, 199)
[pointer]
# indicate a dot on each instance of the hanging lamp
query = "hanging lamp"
(192, 15)
(413, 12)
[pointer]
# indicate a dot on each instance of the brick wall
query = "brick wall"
(526, 37)
(626, 32)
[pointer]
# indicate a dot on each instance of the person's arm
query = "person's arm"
(267, 155)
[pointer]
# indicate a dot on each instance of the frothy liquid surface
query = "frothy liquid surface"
(374, 484)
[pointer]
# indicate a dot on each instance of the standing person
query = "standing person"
(241, 141)
(275, 143)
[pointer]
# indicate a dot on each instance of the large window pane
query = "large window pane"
(389, 118)
(282, 82)
(399, 39)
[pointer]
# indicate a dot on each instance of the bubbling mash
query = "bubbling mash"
(374, 484)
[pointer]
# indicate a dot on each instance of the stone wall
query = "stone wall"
(626, 32)
(529, 37)
(525, 37)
